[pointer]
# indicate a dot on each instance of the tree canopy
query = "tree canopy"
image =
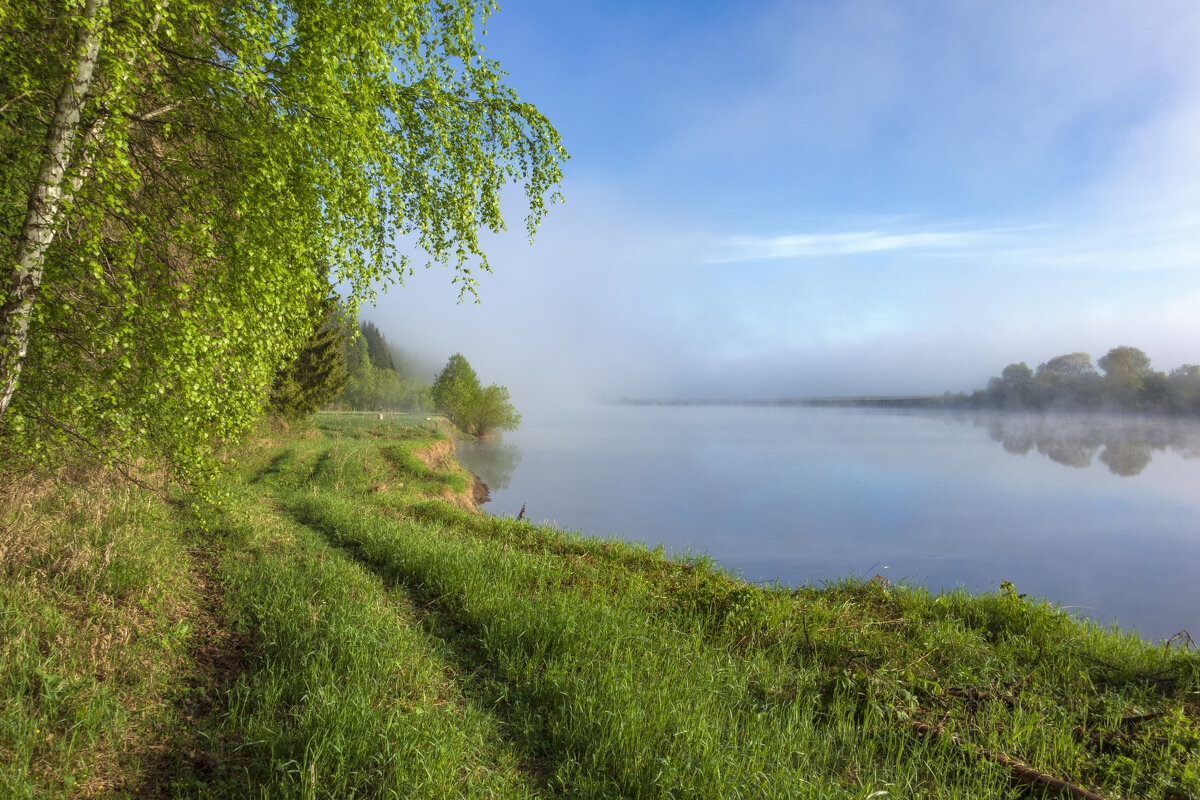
(1069, 367)
(472, 407)
(176, 177)
(455, 388)
(1126, 368)
(1071, 382)
(377, 346)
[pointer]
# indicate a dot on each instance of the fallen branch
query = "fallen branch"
(1021, 772)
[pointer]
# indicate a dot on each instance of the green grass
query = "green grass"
(338, 628)
(95, 599)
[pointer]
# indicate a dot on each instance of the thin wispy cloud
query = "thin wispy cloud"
(808, 245)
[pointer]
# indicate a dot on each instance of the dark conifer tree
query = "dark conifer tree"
(318, 372)
(377, 346)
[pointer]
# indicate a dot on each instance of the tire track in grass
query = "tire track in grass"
(345, 696)
(463, 659)
(195, 752)
(611, 702)
(475, 675)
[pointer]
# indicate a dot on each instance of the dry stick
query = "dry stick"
(1021, 772)
(1186, 640)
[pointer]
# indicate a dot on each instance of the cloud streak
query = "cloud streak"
(808, 245)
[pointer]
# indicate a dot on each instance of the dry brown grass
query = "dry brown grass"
(20, 499)
(438, 456)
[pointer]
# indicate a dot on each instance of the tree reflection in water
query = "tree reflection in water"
(1125, 445)
(493, 460)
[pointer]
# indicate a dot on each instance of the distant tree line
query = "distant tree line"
(379, 376)
(345, 369)
(1125, 381)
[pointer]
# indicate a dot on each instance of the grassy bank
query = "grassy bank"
(343, 625)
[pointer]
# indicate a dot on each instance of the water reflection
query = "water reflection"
(492, 460)
(808, 495)
(1125, 445)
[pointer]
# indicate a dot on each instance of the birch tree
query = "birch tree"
(176, 176)
(46, 199)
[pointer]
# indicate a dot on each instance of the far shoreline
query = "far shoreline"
(957, 403)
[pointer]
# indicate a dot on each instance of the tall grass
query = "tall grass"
(344, 695)
(95, 593)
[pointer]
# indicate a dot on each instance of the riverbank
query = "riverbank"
(344, 625)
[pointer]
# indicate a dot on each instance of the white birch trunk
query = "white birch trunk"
(45, 203)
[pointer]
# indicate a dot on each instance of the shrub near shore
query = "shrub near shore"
(341, 629)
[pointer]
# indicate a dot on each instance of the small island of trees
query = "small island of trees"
(1125, 381)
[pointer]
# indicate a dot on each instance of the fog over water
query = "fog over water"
(784, 199)
(1099, 514)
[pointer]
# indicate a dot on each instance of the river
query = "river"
(1098, 514)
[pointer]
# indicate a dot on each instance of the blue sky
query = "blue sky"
(813, 198)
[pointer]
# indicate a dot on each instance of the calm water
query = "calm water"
(1099, 514)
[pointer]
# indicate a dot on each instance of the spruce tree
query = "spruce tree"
(318, 372)
(377, 346)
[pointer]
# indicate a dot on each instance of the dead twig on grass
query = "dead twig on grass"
(1183, 637)
(1021, 772)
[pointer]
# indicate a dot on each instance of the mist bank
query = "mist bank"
(868, 401)
(1125, 383)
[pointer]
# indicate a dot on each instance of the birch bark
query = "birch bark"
(45, 204)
